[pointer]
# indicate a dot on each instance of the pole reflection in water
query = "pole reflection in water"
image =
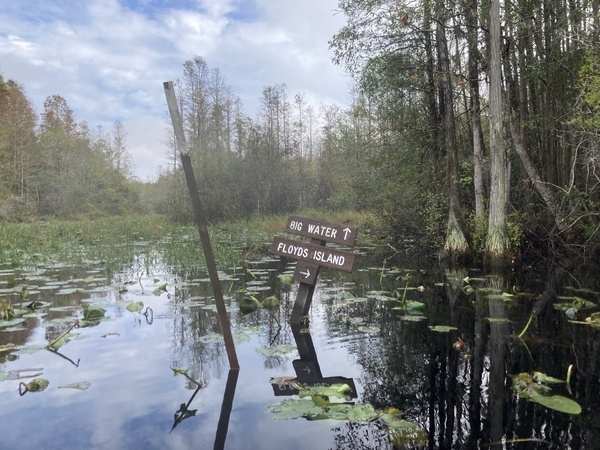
(308, 371)
(226, 408)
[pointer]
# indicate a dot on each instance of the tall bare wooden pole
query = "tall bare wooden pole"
(201, 223)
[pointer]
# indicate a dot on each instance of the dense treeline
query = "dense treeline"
(55, 167)
(495, 104)
(288, 158)
(472, 126)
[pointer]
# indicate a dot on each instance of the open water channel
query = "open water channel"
(398, 338)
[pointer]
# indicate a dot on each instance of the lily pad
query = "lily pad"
(405, 434)
(442, 328)
(249, 304)
(92, 312)
(271, 302)
(286, 278)
(278, 351)
(532, 388)
(80, 386)
(369, 329)
(135, 306)
(295, 409)
(37, 385)
(410, 305)
(11, 323)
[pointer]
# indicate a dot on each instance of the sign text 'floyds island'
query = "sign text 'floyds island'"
(315, 252)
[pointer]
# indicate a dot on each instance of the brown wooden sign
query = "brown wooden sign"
(306, 273)
(317, 229)
(314, 254)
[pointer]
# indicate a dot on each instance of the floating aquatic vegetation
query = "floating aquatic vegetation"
(369, 329)
(410, 305)
(412, 317)
(286, 278)
(35, 385)
(239, 336)
(534, 388)
(29, 349)
(271, 302)
(329, 402)
(80, 386)
(135, 306)
(184, 372)
(249, 304)
(7, 311)
(504, 296)
(8, 347)
(107, 335)
(278, 351)
(92, 314)
(11, 323)
(573, 305)
(592, 320)
(442, 328)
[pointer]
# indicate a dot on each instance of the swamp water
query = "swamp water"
(415, 358)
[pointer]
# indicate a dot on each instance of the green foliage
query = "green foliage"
(432, 213)
(589, 80)
(478, 229)
(534, 388)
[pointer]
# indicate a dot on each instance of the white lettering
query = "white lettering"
(322, 230)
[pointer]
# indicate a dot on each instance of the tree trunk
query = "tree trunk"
(497, 249)
(456, 246)
(475, 110)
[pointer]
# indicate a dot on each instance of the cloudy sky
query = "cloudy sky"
(109, 58)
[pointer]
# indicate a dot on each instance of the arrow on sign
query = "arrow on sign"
(306, 369)
(346, 232)
(306, 274)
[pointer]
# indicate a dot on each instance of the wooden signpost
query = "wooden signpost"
(313, 255)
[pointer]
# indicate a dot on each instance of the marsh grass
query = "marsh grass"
(119, 241)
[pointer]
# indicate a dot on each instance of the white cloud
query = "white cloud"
(108, 58)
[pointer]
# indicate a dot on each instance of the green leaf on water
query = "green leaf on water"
(270, 302)
(556, 402)
(412, 317)
(9, 346)
(532, 388)
(407, 434)
(295, 409)
(92, 312)
(286, 278)
(11, 323)
(413, 304)
(211, 338)
(249, 304)
(89, 279)
(80, 386)
(278, 351)
(362, 412)
(369, 329)
(543, 378)
(442, 328)
(135, 306)
(338, 390)
(320, 400)
(37, 385)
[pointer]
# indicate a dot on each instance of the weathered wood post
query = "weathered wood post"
(201, 223)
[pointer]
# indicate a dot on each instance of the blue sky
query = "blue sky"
(109, 58)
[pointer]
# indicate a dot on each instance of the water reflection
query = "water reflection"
(447, 366)
(307, 368)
